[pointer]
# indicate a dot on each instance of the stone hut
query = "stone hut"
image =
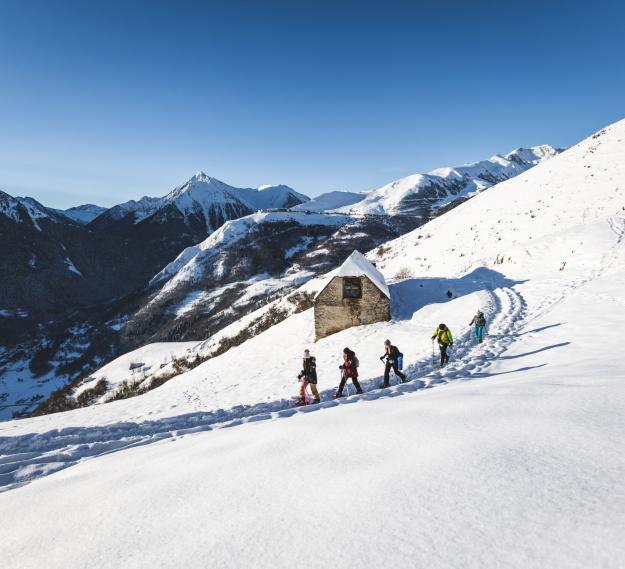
(354, 294)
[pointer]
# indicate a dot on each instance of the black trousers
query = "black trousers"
(387, 372)
(444, 356)
(354, 381)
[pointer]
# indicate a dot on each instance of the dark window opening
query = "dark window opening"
(352, 288)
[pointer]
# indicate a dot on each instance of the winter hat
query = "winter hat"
(346, 350)
(442, 326)
(387, 342)
(306, 353)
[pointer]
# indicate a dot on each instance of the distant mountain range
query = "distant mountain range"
(202, 204)
(419, 194)
(59, 259)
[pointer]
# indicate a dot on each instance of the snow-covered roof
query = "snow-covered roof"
(357, 265)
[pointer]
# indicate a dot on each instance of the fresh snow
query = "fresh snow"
(330, 201)
(472, 179)
(190, 302)
(82, 213)
(203, 194)
(188, 265)
(512, 456)
(357, 265)
(71, 267)
(14, 208)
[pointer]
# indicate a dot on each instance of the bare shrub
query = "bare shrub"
(125, 391)
(403, 273)
(382, 250)
(301, 300)
(89, 396)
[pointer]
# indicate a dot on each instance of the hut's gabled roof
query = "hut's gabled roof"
(357, 265)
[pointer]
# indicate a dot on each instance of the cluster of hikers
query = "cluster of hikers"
(392, 359)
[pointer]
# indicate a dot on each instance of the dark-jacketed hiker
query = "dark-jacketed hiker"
(445, 340)
(308, 376)
(349, 370)
(391, 355)
(480, 323)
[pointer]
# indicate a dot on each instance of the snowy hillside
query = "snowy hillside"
(82, 213)
(420, 193)
(25, 210)
(517, 444)
(188, 266)
(330, 201)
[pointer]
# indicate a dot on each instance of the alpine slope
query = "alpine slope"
(511, 456)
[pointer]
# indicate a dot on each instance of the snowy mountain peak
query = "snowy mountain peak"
(205, 203)
(25, 209)
(82, 213)
(201, 176)
(420, 194)
(534, 154)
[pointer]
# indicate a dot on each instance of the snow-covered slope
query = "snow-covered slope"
(419, 193)
(511, 457)
(330, 201)
(25, 210)
(192, 262)
(138, 209)
(82, 213)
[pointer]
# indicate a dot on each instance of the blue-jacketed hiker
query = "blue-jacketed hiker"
(479, 320)
(445, 340)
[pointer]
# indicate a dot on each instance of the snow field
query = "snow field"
(522, 467)
(494, 472)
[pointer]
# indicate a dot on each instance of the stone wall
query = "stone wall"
(333, 313)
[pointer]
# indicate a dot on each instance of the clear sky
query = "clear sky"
(104, 101)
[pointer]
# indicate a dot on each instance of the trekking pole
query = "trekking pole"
(342, 374)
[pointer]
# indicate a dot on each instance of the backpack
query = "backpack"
(400, 360)
(355, 360)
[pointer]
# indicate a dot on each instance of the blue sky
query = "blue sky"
(107, 101)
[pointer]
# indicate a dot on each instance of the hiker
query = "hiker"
(445, 340)
(308, 376)
(391, 355)
(349, 370)
(480, 322)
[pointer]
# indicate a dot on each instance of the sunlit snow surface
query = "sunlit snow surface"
(513, 456)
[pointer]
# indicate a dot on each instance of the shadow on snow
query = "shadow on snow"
(28, 457)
